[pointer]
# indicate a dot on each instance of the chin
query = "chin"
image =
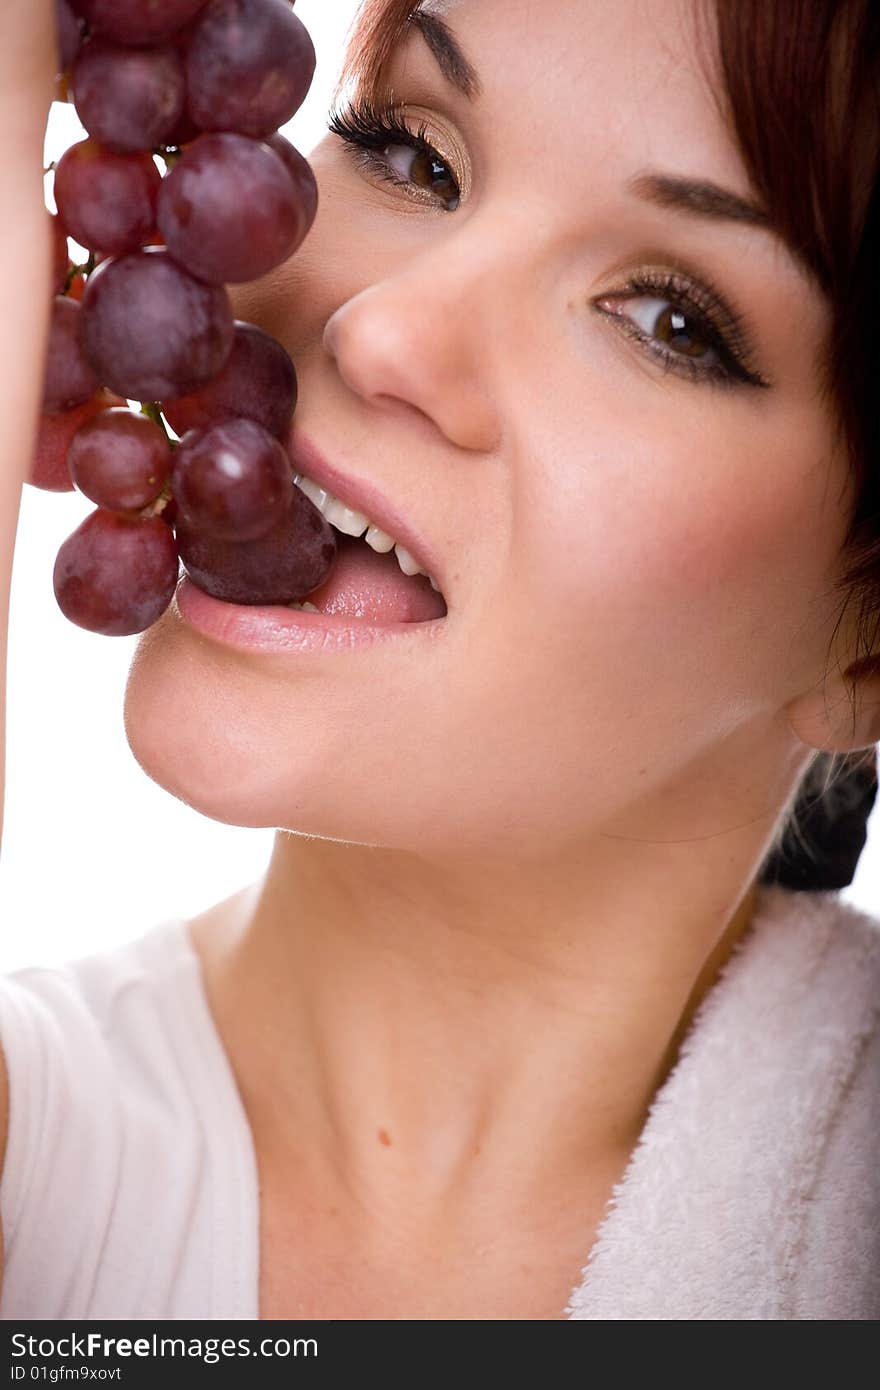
(207, 729)
(183, 734)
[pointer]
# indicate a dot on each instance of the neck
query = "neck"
(419, 1025)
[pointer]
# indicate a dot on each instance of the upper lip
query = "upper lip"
(363, 496)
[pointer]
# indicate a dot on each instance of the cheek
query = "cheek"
(676, 584)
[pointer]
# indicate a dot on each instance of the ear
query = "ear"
(841, 714)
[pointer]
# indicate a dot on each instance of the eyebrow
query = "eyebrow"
(697, 197)
(446, 49)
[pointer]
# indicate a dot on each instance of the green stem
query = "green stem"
(84, 270)
(152, 412)
(169, 154)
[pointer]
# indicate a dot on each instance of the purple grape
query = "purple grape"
(183, 133)
(282, 566)
(249, 66)
(150, 330)
(49, 468)
(116, 574)
(60, 254)
(69, 34)
(232, 481)
(129, 99)
(69, 378)
(107, 200)
(120, 460)
(138, 22)
(300, 170)
(257, 381)
(229, 211)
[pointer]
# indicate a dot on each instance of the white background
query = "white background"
(94, 853)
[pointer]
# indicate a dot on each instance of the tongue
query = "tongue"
(364, 584)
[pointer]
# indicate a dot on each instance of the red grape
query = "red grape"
(49, 469)
(258, 380)
(68, 32)
(116, 574)
(283, 566)
(152, 321)
(60, 255)
(185, 131)
(128, 98)
(229, 211)
(138, 21)
(107, 200)
(150, 330)
(249, 65)
(169, 512)
(120, 460)
(69, 378)
(300, 170)
(232, 481)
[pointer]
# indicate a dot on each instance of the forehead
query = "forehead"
(610, 84)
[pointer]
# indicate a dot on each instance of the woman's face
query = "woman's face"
(635, 550)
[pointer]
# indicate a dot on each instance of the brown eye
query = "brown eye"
(672, 328)
(382, 144)
(680, 331)
(423, 166)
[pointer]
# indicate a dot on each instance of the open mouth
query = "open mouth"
(371, 578)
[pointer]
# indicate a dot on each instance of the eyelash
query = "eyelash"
(367, 130)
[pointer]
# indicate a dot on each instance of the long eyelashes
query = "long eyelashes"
(713, 320)
(368, 129)
(700, 309)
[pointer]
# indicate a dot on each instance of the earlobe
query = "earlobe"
(842, 714)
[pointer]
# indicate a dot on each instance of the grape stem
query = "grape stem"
(152, 412)
(169, 154)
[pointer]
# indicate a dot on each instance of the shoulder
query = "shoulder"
(839, 1254)
(754, 1190)
(822, 954)
(811, 971)
(75, 1035)
(120, 1094)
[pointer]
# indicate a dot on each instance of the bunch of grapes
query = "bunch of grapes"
(182, 187)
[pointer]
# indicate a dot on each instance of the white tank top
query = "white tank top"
(130, 1185)
(130, 1182)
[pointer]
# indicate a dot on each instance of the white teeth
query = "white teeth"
(344, 519)
(379, 540)
(312, 491)
(352, 523)
(304, 607)
(406, 561)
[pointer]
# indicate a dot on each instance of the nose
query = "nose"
(418, 337)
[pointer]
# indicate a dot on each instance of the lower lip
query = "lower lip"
(249, 627)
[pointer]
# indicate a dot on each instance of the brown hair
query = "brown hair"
(798, 84)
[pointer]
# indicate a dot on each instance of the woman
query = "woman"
(518, 1023)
